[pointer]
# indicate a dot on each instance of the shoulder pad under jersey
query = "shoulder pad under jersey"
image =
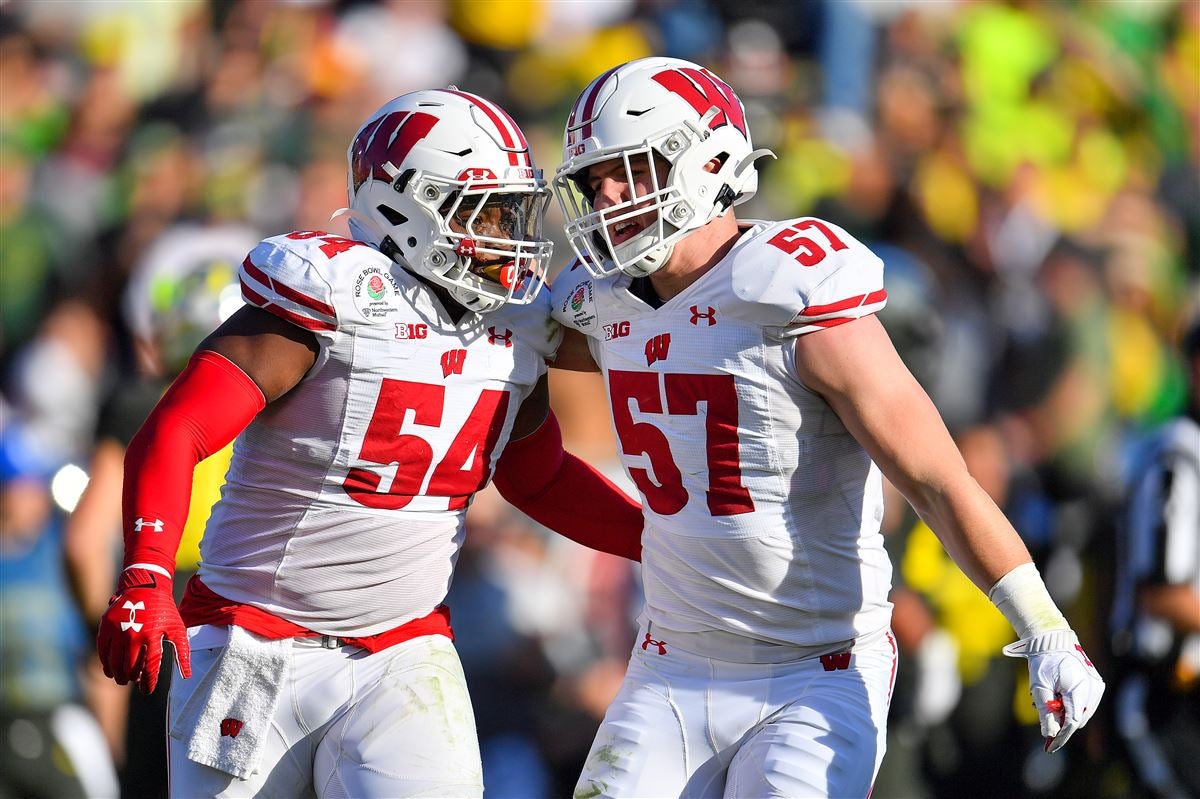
(573, 297)
(531, 323)
(803, 275)
(317, 280)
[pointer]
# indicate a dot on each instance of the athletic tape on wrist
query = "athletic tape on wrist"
(1023, 599)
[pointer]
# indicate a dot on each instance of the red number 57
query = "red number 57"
(804, 249)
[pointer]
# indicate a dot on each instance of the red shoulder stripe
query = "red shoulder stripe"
(846, 304)
(255, 298)
(287, 291)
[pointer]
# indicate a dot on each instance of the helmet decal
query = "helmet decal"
(586, 113)
(442, 181)
(675, 139)
(389, 139)
(510, 134)
(703, 90)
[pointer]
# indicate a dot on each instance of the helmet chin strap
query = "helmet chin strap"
(653, 260)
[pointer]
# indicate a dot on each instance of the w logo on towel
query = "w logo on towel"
(231, 727)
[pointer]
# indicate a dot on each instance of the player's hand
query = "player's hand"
(1066, 687)
(139, 617)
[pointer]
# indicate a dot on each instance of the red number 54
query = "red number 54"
(465, 467)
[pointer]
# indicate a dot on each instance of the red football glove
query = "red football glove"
(139, 617)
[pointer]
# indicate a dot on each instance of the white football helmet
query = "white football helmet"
(431, 158)
(663, 107)
(183, 286)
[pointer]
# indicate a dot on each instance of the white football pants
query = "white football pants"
(685, 725)
(397, 723)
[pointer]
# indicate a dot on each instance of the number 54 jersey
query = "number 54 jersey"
(762, 511)
(343, 507)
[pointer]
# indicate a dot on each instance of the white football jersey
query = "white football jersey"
(343, 507)
(762, 511)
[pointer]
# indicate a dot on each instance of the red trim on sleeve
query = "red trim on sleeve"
(283, 313)
(287, 291)
(841, 320)
(846, 304)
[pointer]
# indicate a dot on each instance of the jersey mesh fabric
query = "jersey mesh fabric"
(343, 507)
(774, 532)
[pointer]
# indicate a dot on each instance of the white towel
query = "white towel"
(226, 719)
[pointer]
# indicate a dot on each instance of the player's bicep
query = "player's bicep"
(574, 353)
(274, 353)
(855, 368)
(533, 411)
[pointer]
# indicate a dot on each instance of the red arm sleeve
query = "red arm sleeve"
(557, 489)
(206, 407)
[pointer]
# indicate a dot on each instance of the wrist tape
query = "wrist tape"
(1023, 599)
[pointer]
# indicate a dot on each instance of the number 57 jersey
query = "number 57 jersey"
(762, 511)
(343, 507)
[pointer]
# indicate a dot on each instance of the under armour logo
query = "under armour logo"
(662, 645)
(496, 338)
(466, 248)
(452, 362)
(657, 347)
(710, 315)
(133, 608)
(231, 727)
(838, 660)
(142, 522)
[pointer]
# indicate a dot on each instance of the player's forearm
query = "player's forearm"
(975, 533)
(560, 491)
(205, 408)
(988, 550)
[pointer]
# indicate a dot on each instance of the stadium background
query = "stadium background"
(1027, 170)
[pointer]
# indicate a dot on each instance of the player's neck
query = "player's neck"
(453, 308)
(694, 256)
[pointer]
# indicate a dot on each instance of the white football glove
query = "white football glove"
(1066, 687)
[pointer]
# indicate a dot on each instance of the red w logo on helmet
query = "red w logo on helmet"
(389, 138)
(702, 90)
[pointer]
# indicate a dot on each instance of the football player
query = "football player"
(371, 384)
(183, 285)
(757, 400)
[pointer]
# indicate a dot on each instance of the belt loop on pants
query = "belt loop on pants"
(332, 642)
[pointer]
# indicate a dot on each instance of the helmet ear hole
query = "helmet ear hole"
(391, 215)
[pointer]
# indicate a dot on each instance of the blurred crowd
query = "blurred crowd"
(1029, 172)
